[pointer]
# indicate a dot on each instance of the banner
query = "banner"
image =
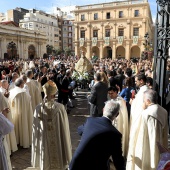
(135, 39)
(81, 42)
(107, 41)
(120, 39)
(94, 41)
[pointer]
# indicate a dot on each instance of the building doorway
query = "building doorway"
(31, 52)
(135, 52)
(120, 52)
(107, 52)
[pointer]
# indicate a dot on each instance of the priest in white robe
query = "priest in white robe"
(5, 127)
(51, 144)
(33, 90)
(136, 112)
(9, 138)
(153, 128)
(121, 122)
(22, 113)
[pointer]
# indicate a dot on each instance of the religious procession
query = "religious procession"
(126, 127)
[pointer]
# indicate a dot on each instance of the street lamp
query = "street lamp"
(147, 54)
(12, 47)
(48, 49)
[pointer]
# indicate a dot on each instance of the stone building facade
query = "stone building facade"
(21, 43)
(114, 29)
(41, 21)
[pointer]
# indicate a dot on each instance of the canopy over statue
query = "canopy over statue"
(83, 65)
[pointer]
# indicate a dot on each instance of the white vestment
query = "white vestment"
(2, 90)
(137, 105)
(22, 114)
(51, 145)
(153, 128)
(5, 127)
(9, 138)
(136, 113)
(34, 93)
(121, 123)
(11, 86)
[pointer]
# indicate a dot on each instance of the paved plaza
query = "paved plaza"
(22, 158)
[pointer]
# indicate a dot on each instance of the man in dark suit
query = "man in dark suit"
(100, 140)
(98, 96)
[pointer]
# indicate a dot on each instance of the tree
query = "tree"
(67, 51)
(50, 49)
(58, 51)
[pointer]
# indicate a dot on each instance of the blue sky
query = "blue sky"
(47, 5)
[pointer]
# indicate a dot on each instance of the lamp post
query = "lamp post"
(48, 48)
(147, 54)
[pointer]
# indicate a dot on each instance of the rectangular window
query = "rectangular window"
(96, 16)
(107, 33)
(108, 15)
(82, 34)
(30, 25)
(95, 33)
(121, 32)
(82, 17)
(135, 31)
(120, 14)
(136, 13)
(70, 28)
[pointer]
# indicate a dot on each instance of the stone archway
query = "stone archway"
(107, 52)
(31, 52)
(96, 51)
(120, 52)
(11, 51)
(135, 52)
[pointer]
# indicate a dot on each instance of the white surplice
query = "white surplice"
(153, 128)
(121, 123)
(9, 138)
(51, 145)
(22, 114)
(136, 113)
(5, 127)
(34, 93)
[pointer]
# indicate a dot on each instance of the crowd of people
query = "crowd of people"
(124, 113)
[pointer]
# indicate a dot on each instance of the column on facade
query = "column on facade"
(89, 31)
(19, 49)
(128, 30)
(114, 51)
(88, 54)
(101, 49)
(127, 54)
(76, 39)
(76, 32)
(26, 50)
(4, 46)
(76, 48)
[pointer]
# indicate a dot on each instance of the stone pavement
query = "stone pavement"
(21, 159)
